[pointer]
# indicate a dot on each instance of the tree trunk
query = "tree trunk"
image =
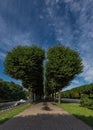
(54, 96)
(30, 97)
(59, 98)
(34, 97)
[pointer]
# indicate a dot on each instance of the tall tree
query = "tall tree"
(62, 65)
(26, 63)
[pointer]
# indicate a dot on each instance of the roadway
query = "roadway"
(7, 105)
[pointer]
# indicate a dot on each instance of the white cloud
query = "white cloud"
(88, 70)
(41, 16)
(2, 55)
(67, 1)
(76, 82)
(21, 39)
(8, 40)
(66, 29)
(89, 75)
(61, 27)
(57, 1)
(83, 13)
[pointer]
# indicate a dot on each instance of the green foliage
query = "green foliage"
(82, 113)
(62, 65)
(23, 60)
(86, 102)
(10, 91)
(79, 91)
(8, 114)
(26, 63)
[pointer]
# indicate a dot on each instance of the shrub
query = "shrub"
(86, 102)
(91, 96)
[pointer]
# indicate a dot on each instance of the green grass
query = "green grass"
(82, 113)
(8, 114)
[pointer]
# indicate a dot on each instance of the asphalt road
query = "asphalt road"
(70, 100)
(44, 116)
(7, 105)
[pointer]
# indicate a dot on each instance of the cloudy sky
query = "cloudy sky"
(46, 23)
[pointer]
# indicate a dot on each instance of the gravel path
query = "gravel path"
(44, 116)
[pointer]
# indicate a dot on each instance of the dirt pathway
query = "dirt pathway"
(44, 116)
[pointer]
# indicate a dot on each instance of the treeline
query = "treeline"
(9, 91)
(79, 92)
(29, 64)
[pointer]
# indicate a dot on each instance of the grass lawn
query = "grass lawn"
(8, 114)
(82, 113)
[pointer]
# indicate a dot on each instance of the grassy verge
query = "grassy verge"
(8, 114)
(82, 113)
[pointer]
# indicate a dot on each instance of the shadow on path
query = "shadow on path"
(88, 119)
(45, 122)
(44, 116)
(46, 107)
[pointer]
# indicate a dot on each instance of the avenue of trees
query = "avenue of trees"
(9, 91)
(26, 64)
(79, 92)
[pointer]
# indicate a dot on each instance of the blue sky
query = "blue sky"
(46, 23)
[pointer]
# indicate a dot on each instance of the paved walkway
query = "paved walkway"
(44, 116)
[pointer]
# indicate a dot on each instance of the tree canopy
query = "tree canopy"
(9, 91)
(62, 65)
(26, 63)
